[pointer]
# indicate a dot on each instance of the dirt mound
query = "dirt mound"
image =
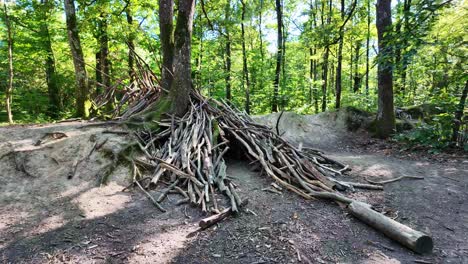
(322, 130)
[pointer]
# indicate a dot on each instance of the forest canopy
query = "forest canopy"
(262, 56)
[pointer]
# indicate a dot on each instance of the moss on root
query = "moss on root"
(153, 113)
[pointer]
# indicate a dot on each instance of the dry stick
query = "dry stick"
(394, 180)
(164, 193)
(144, 191)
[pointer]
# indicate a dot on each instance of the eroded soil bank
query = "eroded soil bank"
(46, 216)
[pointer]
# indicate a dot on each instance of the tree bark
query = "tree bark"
(245, 71)
(9, 87)
(166, 25)
(385, 114)
(182, 82)
(82, 86)
(459, 114)
(279, 56)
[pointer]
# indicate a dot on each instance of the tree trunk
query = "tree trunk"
(385, 113)
(82, 87)
(357, 77)
(368, 46)
(340, 59)
(51, 79)
(325, 79)
(325, 62)
(182, 82)
(103, 64)
(228, 68)
(9, 88)
(245, 71)
(459, 114)
(131, 43)
(279, 56)
(166, 24)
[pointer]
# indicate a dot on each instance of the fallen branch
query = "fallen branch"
(394, 180)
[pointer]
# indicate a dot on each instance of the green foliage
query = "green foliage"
(429, 41)
(435, 134)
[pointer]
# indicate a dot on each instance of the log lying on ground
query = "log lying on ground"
(410, 238)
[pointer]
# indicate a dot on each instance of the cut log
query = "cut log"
(410, 238)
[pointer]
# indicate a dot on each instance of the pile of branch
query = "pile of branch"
(186, 155)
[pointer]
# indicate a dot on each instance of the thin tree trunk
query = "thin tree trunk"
(166, 25)
(228, 69)
(182, 82)
(368, 46)
(385, 113)
(51, 79)
(260, 34)
(245, 72)
(9, 88)
(357, 77)
(130, 43)
(103, 64)
(325, 64)
(200, 56)
(340, 59)
(279, 57)
(82, 87)
(459, 114)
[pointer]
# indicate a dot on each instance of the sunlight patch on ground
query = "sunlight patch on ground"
(161, 247)
(101, 201)
(377, 257)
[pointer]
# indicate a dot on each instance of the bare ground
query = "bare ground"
(47, 218)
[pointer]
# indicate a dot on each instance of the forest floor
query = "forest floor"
(45, 217)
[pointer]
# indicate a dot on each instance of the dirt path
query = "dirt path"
(48, 218)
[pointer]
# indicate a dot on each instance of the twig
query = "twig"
(394, 180)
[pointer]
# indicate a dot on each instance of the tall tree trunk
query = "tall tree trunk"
(405, 60)
(260, 33)
(82, 86)
(53, 89)
(357, 76)
(166, 25)
(340, 59)
(9, 87)
(199, 59)
(368, 46)
(182, 82)
(103, 64)
(459, 114)
(130, 43)
(279, 56)
(325, 63)
(325, 78)
(245, 71)
(385, 113)
(228, 68)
